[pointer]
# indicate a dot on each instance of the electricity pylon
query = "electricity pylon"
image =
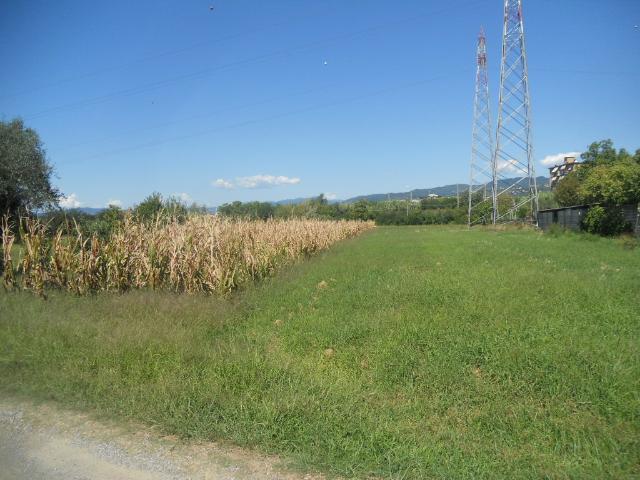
(482, 153)
(513, 157)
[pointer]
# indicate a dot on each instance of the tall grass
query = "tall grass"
(6, 268)
(410, 353)
(202, 254)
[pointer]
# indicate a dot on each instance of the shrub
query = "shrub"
(629, 242)
(607, 221)
(567, 193)
(556, 230)
(616, 184)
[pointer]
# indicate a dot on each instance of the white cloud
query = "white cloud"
(222, 183)
(70, 202)
(552, 160)
(331, 196)
(115, 203)
(265, 181)
(256, 181)
(510, 166)
(183, 197)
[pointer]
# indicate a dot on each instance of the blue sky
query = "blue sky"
(272, 100)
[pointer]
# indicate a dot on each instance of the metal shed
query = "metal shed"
(567, 217)
(571, 217)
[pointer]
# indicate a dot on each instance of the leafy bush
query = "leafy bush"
(69, 222)
(105, 222)
(606, 175)
(605, 221)
(616, 184)
(567, 193)
(155, 208)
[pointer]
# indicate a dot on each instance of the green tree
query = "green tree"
(321, 199)
(567, 192)
(106, 221)
(229, 209)
(25, 173)
(607, 176)
(173, 207)
(250, 210)
(155, 206)
(66, 220)
(605, 221)
(600, 152)
(613, 184)
(149, 208)
(547, 200)
(360, 210)
(482, 213)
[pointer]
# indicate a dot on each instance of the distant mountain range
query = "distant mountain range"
(88, 210)
(443, 191)
(296, 201)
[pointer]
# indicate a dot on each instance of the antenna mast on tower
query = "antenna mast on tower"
(514, 149)
(482, 153)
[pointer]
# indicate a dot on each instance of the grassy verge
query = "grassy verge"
(406, 353)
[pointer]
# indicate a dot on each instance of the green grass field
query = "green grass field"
(406, 353)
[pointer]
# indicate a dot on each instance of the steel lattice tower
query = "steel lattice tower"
(480, 204)
(514, 151)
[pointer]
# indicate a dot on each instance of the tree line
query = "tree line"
(607, 177)
(154, 208)
(393, 212)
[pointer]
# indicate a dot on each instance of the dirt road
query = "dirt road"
(39, 442)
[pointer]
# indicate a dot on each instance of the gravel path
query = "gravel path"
(39, 442)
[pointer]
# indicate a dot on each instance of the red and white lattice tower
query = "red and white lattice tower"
(482, 152)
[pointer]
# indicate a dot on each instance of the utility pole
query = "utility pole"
(514, 147)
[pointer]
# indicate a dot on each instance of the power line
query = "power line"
(148, 58)
(198, 117)
(203, 115)
(274, 99)
(207, 71)
(152, 86)
(585, 72)
(266, 119)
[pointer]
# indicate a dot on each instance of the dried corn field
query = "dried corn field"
(204, 254)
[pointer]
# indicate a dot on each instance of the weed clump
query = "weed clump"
(629, 242)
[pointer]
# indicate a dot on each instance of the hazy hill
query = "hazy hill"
(443, 191)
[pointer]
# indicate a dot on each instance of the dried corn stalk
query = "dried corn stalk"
(204, 254)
